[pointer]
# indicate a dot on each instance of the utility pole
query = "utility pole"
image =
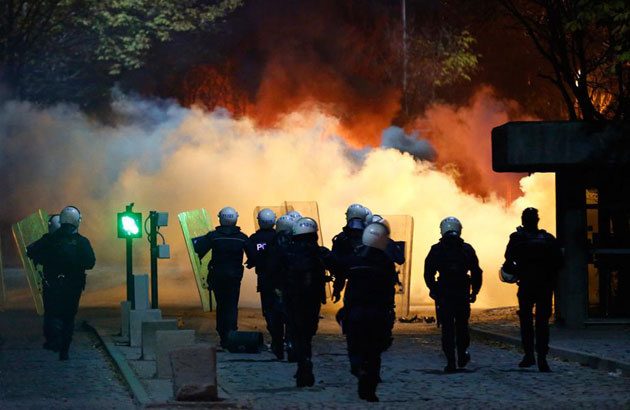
(153, 245)
(404, 55)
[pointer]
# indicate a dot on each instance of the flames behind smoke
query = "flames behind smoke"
(169, 158)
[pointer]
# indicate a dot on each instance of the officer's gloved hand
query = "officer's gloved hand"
(278, 293)
(473, 297)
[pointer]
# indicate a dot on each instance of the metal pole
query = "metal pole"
(153, 245)
(130, 285)
(404, 53)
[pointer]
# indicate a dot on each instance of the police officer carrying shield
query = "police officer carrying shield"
(349, 239)
(534, 257)
(257, 249)
(225, 270)
(453, 259)
(302, 280)
(369, 306)
(64, 255)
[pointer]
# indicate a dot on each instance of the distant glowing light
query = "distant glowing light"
(129, 225)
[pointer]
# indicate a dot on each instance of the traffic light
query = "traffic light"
(130, 225)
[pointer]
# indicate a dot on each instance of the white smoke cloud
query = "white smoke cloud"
(169, 158)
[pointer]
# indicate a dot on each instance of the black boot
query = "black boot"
(450, 363)
(304, 376)
(543, 366)
(367, 389)
(278, 350)
(528, 360)
(463, 359)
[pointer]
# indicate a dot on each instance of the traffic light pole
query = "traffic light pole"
(130, 285)
(154, 256)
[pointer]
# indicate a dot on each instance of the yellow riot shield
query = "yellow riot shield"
(279, 211)
(25, 232)
(3, 290)
(307, 209)
(196, 223)
(402, 231)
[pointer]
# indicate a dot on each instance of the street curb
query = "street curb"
(585, 359)
(139, 393)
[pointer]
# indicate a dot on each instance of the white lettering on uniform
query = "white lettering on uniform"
(260, 246)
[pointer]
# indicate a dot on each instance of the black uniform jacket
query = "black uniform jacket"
(453, 259)
(227, 244)
(257, 248)
(537, 255)
(371, 278)
(64, 253)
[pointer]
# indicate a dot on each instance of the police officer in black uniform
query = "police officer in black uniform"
(303, 282)
(65, 255)
(535, 257)
(225, 270)
(257, 249)
(369, 306)
(453, 259)
(54, 223)
(349, 239)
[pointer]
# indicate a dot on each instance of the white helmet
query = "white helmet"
(367, 219)
(375, 236)
(70, 215)
(228, 216)
(284, 223)
(266, 218)
(356, 211)
(507, 272)
(377, 219)
(54, 223)
(303, 226)
(451, 224)
(295, 215)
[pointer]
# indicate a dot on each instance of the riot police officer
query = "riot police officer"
(534, 257)
(368, 316)
(225, 270)
(65, 256)
(453, 259)
(54, 223)
(257, 249)
(303, 277)
(349, 239)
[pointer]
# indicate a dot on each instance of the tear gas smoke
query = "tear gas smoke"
(168, 158)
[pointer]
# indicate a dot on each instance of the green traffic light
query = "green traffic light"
(129, 225)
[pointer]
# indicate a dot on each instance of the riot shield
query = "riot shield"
(279, 210)
(25, 232)
(196, 223)
(3, 290)
(402, 233)
(307, 209)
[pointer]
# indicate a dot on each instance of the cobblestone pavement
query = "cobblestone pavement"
(413, 378)
(34, 378)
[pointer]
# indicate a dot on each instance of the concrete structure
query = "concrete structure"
(167, 341)
(141, 291)
(148, 335)
(592, 166)
(125, 310)
(136, 317)
(195, 373)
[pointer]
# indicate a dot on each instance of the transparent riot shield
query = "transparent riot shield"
(402, 233)
(25, 232)
(279, 210)
(3, 290)
(196, 223)
(307, 209)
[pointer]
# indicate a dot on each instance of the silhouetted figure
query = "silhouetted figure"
(535, 258)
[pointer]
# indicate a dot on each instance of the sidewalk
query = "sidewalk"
(604, 347)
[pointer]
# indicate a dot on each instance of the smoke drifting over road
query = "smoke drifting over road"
(169, 158)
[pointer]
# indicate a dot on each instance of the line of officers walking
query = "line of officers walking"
(292, 277)
(293, 272)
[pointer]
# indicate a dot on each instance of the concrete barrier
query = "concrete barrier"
(125, 309)
(136, 317)
(148, 335)
(195, 373)
(141, 291)
(165, 342)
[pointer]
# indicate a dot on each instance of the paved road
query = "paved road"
(413, 378)
(33, 378)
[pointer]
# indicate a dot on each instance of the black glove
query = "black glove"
(473, 297)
